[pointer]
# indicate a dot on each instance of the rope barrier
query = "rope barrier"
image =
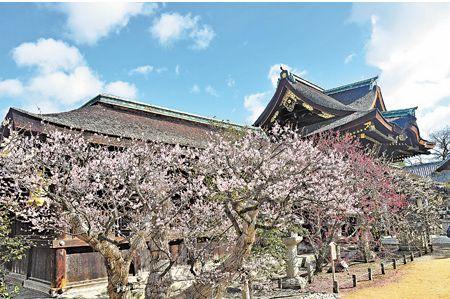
(384, 265)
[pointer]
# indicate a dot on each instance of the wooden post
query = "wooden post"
(354, 280)
(420, 252)
(369, 271)
(431, 248)
(382, 268)
(404, 259)
(426, 249)
(335, 287)
(246, 290)
(333, 257)
(60, 268)
(412, 256)
(280, 284)
(394, 263)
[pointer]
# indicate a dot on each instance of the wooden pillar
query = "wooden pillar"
(382, 268)
(354, 280)
(369, 272)
(394, 263)
(335, 287)
(404, 259)
(30, 263)
(60, 269)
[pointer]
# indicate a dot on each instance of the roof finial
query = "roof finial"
(284, 73)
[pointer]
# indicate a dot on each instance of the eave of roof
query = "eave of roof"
(400, 113)
(335, 123)
(426, 169)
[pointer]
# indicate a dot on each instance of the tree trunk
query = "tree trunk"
(117, 267)
(159, 280)
(230, 267)
(118, 270)
(320, 259)
(364, 246)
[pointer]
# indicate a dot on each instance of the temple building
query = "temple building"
(357, 108)
(59, 263)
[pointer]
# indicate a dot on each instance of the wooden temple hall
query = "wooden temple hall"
(358, 108)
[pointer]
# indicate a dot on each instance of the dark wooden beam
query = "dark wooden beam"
(60, 278)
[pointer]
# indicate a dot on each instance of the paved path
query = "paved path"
(427, 278)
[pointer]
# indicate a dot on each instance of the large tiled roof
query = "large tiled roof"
(319, 97)
(359, 95)
(435, 170)
(400, 113)
(117, 117)
(334, 123)
(401, 117)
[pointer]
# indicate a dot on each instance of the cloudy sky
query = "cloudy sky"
(222, 60)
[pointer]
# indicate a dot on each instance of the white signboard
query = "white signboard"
(333, 251)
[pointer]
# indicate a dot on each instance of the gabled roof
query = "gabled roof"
(359, 95)
(319, 98)
(434, 170)
(117, 117)
(403, 118)
(352, 86)
(144, 107)
(357, 108)
(400, 113)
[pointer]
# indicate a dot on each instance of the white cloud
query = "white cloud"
(66, 88)
(160, 70)
(171, 27)
(202, 37)
(437, 118)
(409, 45)
(89, 22)
(143, 70)
(349, 58)
(123, 89)
(60, 77)
(10, 87)
(231, 82)
(255, 103)
(48, 55)
(211, 91)
(195, 89)
(274, 72)
(177, 69)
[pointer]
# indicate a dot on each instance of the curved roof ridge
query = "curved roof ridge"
(353, 85)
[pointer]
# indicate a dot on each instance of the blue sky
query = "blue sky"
(221, 59)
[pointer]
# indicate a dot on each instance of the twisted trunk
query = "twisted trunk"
(320, 260)
(117, 270)
(159, 280)
(117, 267)
(230, 267)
